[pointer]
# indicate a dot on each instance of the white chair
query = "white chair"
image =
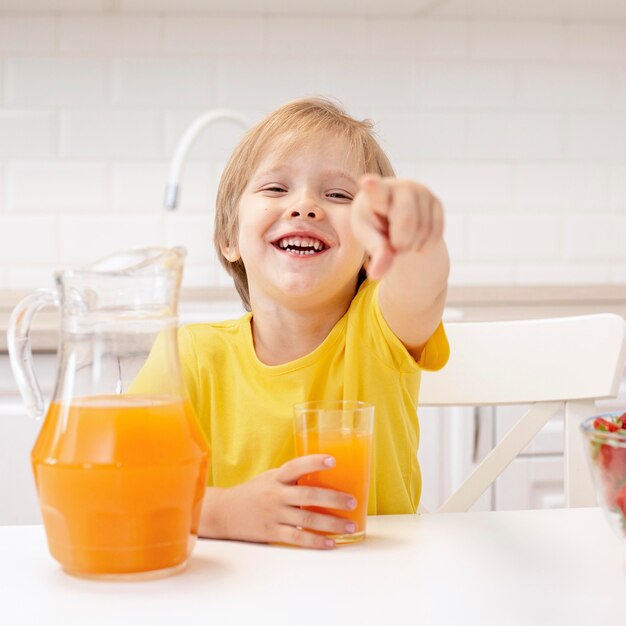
(560, 363)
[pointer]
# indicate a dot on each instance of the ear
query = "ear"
(231, 253)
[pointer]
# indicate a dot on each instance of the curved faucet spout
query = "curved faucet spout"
(172, 189)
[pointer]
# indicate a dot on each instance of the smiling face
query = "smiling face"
(294, 237)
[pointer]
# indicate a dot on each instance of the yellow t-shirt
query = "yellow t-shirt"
(245, 406)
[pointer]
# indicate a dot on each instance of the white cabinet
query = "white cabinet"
(531, 483)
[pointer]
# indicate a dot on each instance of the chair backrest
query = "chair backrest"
(555, 363)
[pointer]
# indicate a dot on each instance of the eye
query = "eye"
(339, 195)
(274, 189)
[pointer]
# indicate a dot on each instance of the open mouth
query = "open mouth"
(302, 246)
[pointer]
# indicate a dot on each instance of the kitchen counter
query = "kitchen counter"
(465, 303)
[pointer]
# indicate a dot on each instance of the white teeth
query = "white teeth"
(301, 242)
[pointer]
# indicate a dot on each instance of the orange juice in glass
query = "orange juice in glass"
(343, 429)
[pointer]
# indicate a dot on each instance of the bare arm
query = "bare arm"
(400, 223)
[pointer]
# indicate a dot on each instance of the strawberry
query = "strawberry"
(605, 425)
(621, 421)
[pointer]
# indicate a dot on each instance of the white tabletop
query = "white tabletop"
(528, 567)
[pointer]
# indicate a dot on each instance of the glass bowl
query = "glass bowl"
(605, 445)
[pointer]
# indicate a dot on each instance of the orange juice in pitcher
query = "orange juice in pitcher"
(120, 470)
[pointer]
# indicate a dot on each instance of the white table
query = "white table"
(556, 567)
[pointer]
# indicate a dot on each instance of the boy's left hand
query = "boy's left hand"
(391, 216)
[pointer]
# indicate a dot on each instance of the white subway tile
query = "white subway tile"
(580, 187)
(57, 186)
(514, 238)
(2, 188)
(423, 134)
(27, 134)
(515, 136)
(404, 169)
(516, 40)
(140, 187)
(595, 238)
(357, 84)
(601, 137)
(589, 41)
(469, 85)
(113, 34)
(618, 273)
(111, 134)
(618, 95)
(482, 274)
(221, 277)
(164, 82)
(564, 88)
(28, 240)
(266, 83)
(418, 38)
(4, 277)
(214, 35)
(202, 275)
(27, 33)
(83, 6)
(617, 187)
(464, 186)
(563, 273)
(193, 232)
(57, 81)
(216, 141)
(23, 277)
(318, 37)
(86, 239)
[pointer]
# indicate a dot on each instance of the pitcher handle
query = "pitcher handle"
(20, 352)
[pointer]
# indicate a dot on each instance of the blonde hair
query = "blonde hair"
(290, 126)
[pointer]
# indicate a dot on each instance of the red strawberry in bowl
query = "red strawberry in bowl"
(605, 442)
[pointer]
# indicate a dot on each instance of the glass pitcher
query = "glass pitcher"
(120, 463)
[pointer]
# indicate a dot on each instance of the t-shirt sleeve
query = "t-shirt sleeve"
(388, 346)
(436, 352)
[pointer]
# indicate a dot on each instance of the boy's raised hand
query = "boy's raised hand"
(268, 509)
(391, 216)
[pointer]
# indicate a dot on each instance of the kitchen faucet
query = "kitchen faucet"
(172, 189)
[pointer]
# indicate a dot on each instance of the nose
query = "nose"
(305, 207)
(312, 213)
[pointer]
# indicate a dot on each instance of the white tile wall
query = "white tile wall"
(110, 34)
(199, 35)
(28, 134)
(27, 34)
(57, 187)
(28, 241)
(163, 82)
(498, 238)
(418, 39)
(111, 134)
(516, 40)
(95, 236)
(519, 126)
(48, 81)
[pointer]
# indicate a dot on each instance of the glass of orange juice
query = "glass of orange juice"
(343, 429)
